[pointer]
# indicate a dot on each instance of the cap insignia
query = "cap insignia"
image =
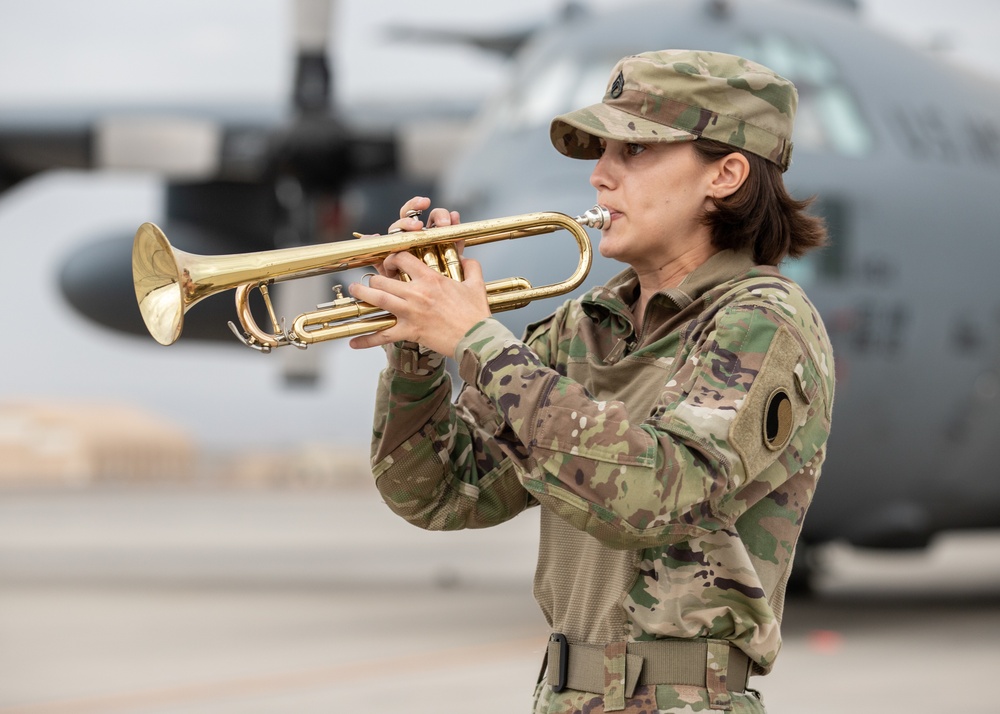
(619, 86)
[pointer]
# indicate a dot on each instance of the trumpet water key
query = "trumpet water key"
(168, 282)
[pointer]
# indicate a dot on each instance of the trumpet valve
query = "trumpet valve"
(338, 299)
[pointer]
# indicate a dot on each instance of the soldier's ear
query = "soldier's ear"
(729, 173)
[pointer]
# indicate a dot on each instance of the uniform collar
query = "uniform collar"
(623, 289)
(720, 268)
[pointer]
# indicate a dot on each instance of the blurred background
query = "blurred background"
(193, 529)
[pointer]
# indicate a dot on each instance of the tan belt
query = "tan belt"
(713, 664)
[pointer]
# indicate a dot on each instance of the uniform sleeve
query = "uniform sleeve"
(434, 462)
(743, 413)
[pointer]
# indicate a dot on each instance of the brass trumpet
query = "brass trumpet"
(168, 282)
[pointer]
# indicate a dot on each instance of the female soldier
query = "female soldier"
(671, 424)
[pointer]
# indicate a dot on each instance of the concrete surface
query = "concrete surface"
(233, 602)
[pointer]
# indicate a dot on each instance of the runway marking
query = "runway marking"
(473, 655)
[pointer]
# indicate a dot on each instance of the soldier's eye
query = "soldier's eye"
(634, 149)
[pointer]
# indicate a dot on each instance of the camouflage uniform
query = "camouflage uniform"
(674, 465)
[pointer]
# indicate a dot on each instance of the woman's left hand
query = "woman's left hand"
(431, 309)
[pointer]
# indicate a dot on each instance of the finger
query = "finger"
(417, 203)
(439, 217)
(381, 270)
(409, 215)
(404, 262)
(377, 297)
(443, 217)
(407, 223)
(375, 339)
(473, 270)
(359, 343)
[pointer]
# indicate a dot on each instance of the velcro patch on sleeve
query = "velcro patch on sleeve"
(774, 406)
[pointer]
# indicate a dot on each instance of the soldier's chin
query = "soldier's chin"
(608, 247)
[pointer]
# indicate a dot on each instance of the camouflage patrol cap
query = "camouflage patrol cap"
(681, 95)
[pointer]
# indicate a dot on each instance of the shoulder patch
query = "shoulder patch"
(773, 406)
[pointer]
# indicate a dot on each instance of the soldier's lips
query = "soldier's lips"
(614, 212)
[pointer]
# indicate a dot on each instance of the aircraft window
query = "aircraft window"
(848, 132)
(809, 129)
(556, 88)
(545, 96)
(791, 59)
(801, 270)
(830, 261)
(590, 88)
(828, 117)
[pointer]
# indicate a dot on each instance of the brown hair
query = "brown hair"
(761, 214)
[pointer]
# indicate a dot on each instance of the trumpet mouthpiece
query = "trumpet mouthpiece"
(597, 217)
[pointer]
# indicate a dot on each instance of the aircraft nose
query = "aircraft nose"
(96, 280)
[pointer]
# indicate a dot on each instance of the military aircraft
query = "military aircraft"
(903, 152)
(220, 176)
(236, 178)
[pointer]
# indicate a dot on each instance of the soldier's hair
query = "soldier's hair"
(761, 214)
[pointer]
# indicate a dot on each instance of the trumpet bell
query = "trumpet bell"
(157, 279)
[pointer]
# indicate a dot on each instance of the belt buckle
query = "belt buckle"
(562, 667)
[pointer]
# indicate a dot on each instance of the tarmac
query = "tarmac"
(232, 601)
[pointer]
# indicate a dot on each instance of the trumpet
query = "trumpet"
(168, 282)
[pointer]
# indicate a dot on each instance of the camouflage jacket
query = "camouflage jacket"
(674, 466)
